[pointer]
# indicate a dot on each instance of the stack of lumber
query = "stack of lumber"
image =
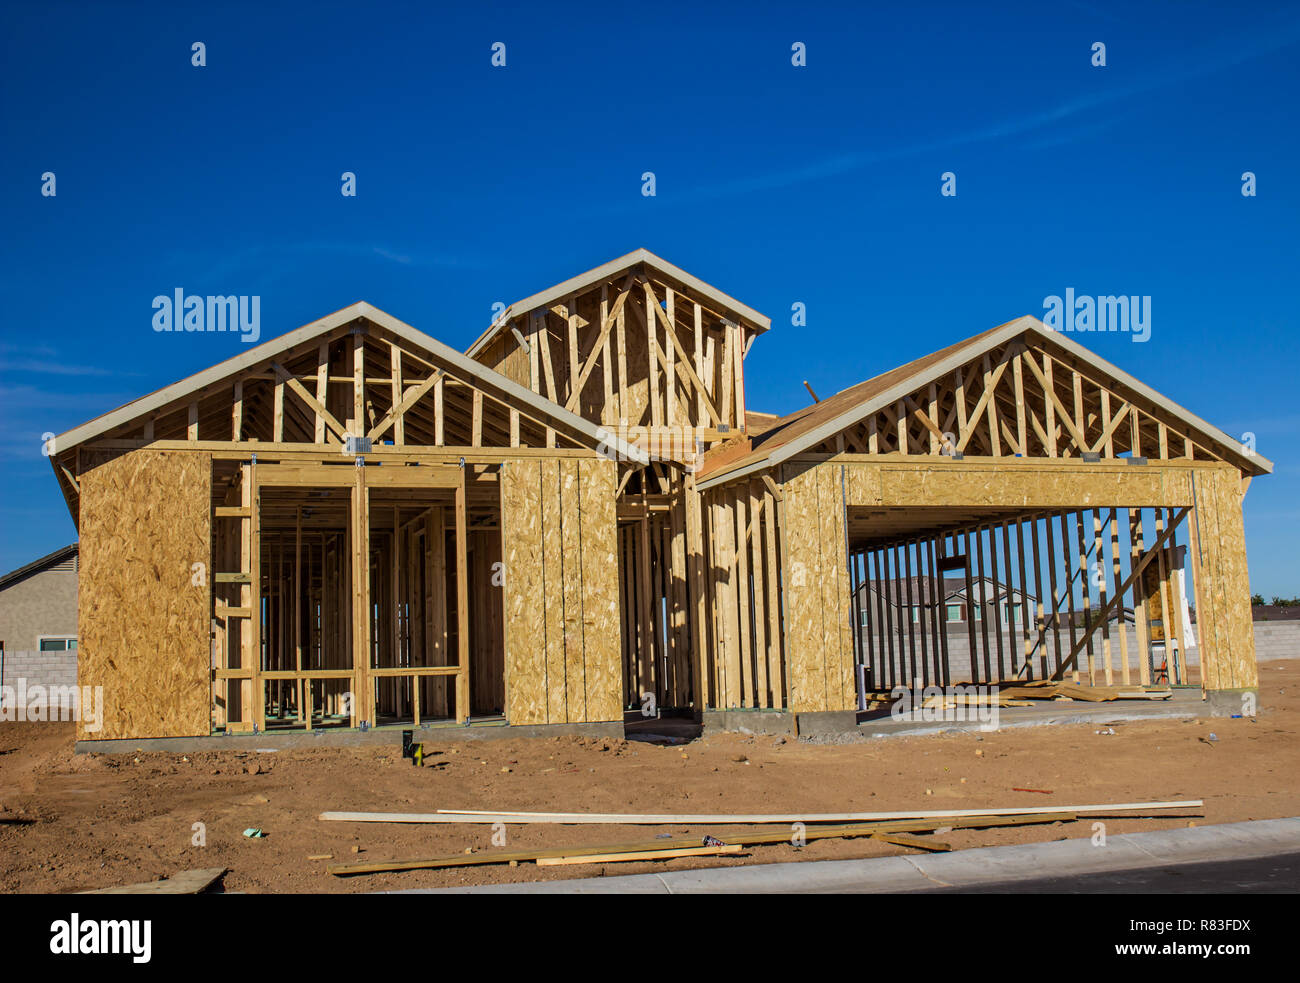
(1021, 693)
(1050, 689)
(894, 828)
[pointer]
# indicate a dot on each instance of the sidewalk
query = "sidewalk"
(963, 868)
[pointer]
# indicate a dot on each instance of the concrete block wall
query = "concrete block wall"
(1277, 640)
(40, 669)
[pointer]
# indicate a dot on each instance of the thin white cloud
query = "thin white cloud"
(1205, 61)
(256, 259)
(48, 367)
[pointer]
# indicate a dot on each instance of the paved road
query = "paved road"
(1263, 875)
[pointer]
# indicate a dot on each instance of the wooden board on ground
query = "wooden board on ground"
(732, 839)
(915, 842)
(605, 858)
(186, 882)
(647, 819)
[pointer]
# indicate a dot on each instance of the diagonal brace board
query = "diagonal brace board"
(302, 393)
(1104, 613)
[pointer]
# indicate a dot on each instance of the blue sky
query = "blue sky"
(777, 184)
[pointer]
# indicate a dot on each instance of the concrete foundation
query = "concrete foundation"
(1232, 702)
(435, 734)
(850, 725)
(749, 721)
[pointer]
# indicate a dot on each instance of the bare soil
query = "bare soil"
(99, 820)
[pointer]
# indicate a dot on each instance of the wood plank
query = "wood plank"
(1134, 576)
(463, 703)
(185, 882)
(301, 392)
(455, 816)
(629, 857)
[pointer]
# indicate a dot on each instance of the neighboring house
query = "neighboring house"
(38, 621)
(958, 606)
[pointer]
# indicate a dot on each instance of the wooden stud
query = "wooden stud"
(463, 703)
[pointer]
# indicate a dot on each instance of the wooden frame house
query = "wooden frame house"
(354, 525)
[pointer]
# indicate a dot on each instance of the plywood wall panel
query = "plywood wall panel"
(552, 598)
(842, 683)
(144, 621)
(571, 558)
(1227, 633)
(563, 637)
(1011, 487)
(803, 594)
(521, 532)
(598, 481)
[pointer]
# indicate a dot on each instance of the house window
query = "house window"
(975, 612)
(954, 612)
(58, 644)
(864, 617)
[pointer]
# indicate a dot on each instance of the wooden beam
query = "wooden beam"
(990, 385)
(685, 360)
(462, 604)
(301, 392)
(599, 347)
(359, 381)
(413, 396)
(399, 422)
(322, 388)
(1055, 405)
(236, 415)
(1134, 574)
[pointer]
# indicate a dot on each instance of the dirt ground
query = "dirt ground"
(104, 820)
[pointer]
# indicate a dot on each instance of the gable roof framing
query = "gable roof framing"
(269, 355)
(606, 272)
(801, 432)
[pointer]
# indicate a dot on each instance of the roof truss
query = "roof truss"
(1021, 391)
(359, 372)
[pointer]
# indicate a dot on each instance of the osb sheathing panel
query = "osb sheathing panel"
(1226, 638)
(143, 622)
(1009, 487)
(521, 531)
(728, 602)
(552, 596)
(733, 581)
(570, 519)
(563, 639)
(1016, 485)
(600, 590)
(819, 653)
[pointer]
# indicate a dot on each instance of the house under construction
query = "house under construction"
(356, 525)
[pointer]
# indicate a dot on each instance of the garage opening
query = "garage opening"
(946, 596)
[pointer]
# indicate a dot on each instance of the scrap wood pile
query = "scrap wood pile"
(898, 829)
(1022, 694)
(1055, 689)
